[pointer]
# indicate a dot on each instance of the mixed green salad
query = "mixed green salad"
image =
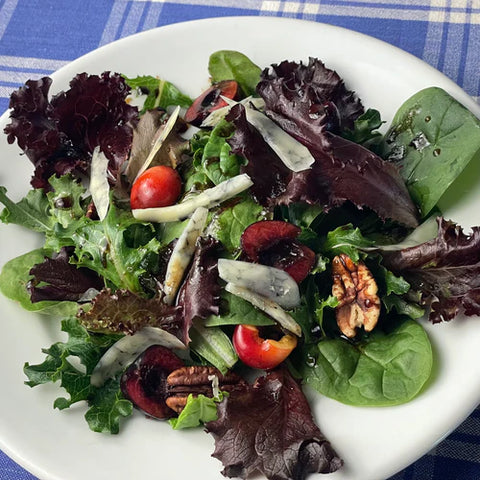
(209, 256)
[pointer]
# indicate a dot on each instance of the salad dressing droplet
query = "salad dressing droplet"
(311, 361)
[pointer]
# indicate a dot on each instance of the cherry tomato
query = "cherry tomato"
(258, 352)
(156, 187)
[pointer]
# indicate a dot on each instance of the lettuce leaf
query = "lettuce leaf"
(445, 270)
(270, 428)
(56, 212)
(15, 277)
(199, 409)
(106, 404)
(124, 312)
(59, 135)
(212, 154)
(57, 279)
(308, 100)
(234, 311)
(101, 246)
(199, 296)
(233, 218)
(343, 171)
(160, 93)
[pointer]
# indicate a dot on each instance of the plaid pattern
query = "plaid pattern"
(444, 33)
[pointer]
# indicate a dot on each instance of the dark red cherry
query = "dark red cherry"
(262, 235)
(273, 243)
(211, 100)
(144, 382)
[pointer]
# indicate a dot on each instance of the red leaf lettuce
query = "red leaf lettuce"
(59, 135)
(269, 428)
(199, 296)
(58, 280)
(343, 171)
(446, 270)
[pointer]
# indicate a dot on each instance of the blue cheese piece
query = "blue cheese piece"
(208, 199)
(268, 306)
(291, 152)
(124, 352)
(270, 282)
(182, 254)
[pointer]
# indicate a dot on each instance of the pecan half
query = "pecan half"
(356, 291)
(198, 380)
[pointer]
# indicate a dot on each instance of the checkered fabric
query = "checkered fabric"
(39, 36)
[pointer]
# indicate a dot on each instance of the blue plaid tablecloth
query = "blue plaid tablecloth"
(39, 36)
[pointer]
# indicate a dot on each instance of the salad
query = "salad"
(209, 256)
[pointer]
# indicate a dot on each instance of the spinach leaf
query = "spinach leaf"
(403, 306)
(235, 311)
(432, 138)
(386, 369)
(232, 65)
(160, 93)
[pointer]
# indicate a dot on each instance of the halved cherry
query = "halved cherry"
(273, 243)
(258, 352)
(211, 100)
(291, 256)
(144, 382)
(262, 235)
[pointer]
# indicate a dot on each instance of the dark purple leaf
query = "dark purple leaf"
(345, 171)
(59, 136)
(31, 125)
(446, 270)
(58, 280)
(199, 296)
(125, 312)
(308, 100)
(270, 176)
(269, 428)
(354, 173)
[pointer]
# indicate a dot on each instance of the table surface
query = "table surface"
(444, 33)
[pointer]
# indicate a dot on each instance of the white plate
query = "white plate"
(375, 443)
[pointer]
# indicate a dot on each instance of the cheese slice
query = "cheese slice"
(182, 254)
(208, 199)
(273, 283)
(125, 351)
(268, 306)
(291, 152)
